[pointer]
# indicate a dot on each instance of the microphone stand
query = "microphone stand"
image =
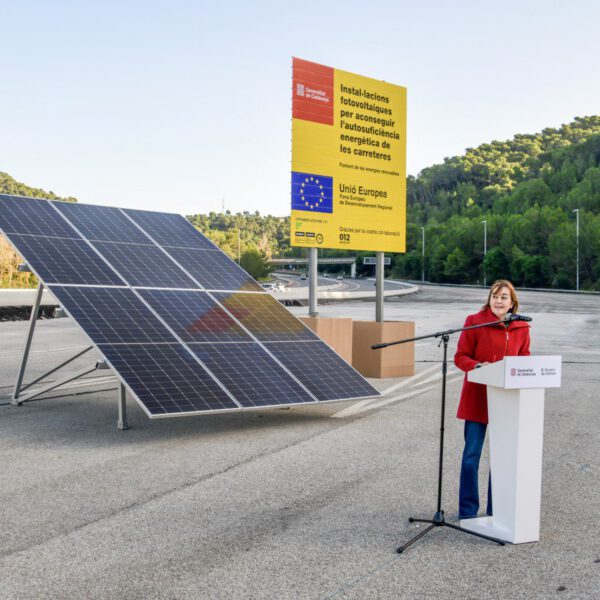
(438, 519)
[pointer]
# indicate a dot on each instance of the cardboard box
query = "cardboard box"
(395, 361)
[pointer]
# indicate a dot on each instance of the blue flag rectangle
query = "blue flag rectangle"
(312, 192)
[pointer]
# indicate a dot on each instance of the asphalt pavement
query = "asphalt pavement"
(304, 503)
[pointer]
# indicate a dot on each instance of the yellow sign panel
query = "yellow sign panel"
(348, 160)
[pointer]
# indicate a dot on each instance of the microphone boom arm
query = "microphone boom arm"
(439, 334)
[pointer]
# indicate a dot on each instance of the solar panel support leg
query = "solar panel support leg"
(58, 367)
(35, 309)
(56, 384)
(122, 422)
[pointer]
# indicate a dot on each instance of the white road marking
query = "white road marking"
(350, 410)
(405, 396)
(410, 380)
(366, 405)
(363, 404)
(438, 375)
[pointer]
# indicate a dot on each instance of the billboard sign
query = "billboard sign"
(348, 160)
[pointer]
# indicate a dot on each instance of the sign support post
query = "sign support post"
(379, 287)
(312, 282)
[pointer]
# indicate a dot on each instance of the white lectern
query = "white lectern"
(515, 391)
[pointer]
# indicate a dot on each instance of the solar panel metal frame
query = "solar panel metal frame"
(185, 345)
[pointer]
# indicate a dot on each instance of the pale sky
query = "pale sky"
(178, 105)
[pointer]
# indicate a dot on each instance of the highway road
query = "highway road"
(342, 285)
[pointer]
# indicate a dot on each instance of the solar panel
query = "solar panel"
(213, 270)
(184, 327)
(144, 266)
(321, 370)
(32, 217)
(250, 374)
(194, 316)
(166, 379)
(102, 223)
(60, 260)
(264, 317)
(170, 230)
(113, 315)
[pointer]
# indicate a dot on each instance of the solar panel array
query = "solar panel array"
(183, 326)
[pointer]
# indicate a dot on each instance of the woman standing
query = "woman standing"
(476, 348)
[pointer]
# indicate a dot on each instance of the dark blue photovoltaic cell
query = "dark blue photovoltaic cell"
(170, 230)
(250, 374)
(58, 260)
(322, 371)
(166, 378)
(112, 315)
(144, 266)
(214, 270)
(33, 217)
(264, 317)
(194, 316)
(102, 223)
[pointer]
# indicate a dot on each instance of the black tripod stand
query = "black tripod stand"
(438, 519)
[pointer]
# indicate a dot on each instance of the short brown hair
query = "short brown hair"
(496, 286)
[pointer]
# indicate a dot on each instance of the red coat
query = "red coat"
(486, 344)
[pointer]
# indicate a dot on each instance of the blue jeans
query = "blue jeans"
(468, 495)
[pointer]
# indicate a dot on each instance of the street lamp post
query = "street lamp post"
(576, 211)
(423, 255)
(484, 250)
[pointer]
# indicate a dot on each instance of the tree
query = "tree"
(255, 263)
(537, 271)
(438, 259)
(408, 265)
(456, 266)
(496, 265)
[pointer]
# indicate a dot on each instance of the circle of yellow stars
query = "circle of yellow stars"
(312, 181)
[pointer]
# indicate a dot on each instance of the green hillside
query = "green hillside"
(526, 190)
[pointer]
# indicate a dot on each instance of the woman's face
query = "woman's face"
(500, 302)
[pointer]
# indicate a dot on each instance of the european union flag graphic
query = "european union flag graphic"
(311, 192)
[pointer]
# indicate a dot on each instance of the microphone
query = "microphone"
(515, 317)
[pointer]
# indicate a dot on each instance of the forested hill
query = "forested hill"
(557, 156)
(526, 190)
